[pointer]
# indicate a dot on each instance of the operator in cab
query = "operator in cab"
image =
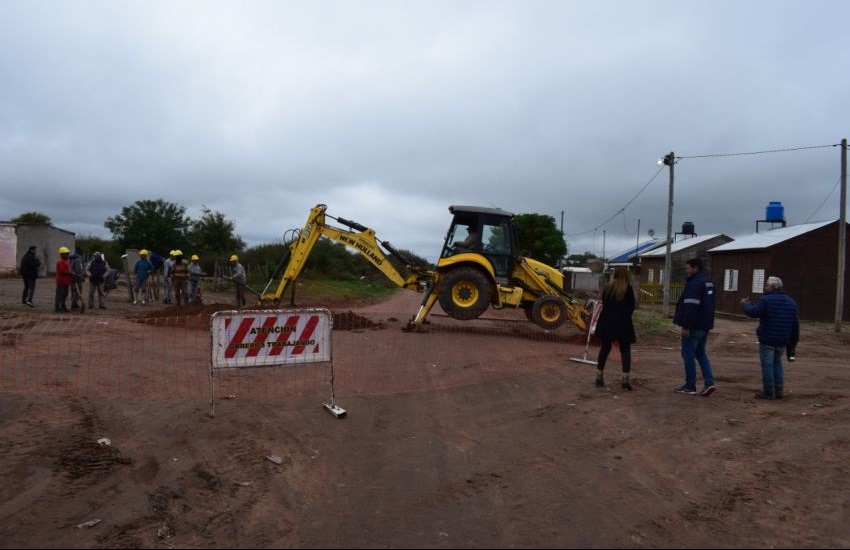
(472, 240)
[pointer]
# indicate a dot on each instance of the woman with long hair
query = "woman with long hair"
(615, 324)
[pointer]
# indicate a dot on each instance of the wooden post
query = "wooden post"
(842, 241)
(669, 160)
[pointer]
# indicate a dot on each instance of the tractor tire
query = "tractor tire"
(549, 312)
(464, 293)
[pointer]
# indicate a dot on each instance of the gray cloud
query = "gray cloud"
(388, 112)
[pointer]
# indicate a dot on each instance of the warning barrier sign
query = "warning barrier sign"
(270, 337)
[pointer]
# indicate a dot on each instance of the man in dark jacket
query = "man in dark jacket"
(29, 272)
(78, 270)
(779, 324)
(96, 272)
(695, 314)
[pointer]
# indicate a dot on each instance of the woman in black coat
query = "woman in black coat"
(29, 272)
(615, 324)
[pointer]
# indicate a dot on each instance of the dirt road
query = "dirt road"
(517, 449)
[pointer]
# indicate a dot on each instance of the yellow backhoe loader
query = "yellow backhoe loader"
(479, 267)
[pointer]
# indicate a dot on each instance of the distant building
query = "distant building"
(16, 238)
(652, 262)
(631, 255)
(803, 256)
(578, 279)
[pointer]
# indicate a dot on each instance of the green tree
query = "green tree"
(540, 238)
(153, 224)
(32, 217)
(215, 234)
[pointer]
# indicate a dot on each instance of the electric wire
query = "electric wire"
(834, 187)
(713, 155)
(621, 210)
(768, 151)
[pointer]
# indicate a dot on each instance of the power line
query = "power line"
(621, 210)
(786, 150)
(716, 155)
(824, 201)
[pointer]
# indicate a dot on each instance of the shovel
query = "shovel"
(79, 288)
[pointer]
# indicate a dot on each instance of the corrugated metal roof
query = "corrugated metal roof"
(642, 247)
(770, 237)
(680, 245)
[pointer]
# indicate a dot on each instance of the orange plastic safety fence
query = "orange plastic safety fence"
(169, 357)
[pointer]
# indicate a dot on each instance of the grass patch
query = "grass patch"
(651, 325)
(338, 289)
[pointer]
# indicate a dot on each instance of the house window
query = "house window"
(730, 280)
(651, 275)
(758, 281)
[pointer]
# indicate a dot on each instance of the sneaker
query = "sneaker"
(600, 383)
(626, 385)
(708, 390)
(762, 395)
(792, 358)
(779, 393)
(685, 389)
(29, 304)
(102, 307)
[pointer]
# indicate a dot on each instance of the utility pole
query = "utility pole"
(669, 160)
(842, 240)
(637, 243)
(561, 261)
(604, 263)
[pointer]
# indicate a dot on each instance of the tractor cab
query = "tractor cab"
(487, 232)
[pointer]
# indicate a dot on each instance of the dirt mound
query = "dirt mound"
(199, 315)
(348, 320)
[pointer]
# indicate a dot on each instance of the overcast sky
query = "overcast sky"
(388, 112)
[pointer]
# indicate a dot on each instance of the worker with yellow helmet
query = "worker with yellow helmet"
(239, 278)
(195, 274)
(142, 270)
(179, 277)
(64, 278)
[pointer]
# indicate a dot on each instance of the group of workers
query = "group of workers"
(182, 278)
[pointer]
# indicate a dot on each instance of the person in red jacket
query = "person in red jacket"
(64, 278)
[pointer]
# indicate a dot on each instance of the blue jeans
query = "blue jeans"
(29, 289)
(772, 377)
(693, 351)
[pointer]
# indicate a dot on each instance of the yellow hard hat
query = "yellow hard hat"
(178, 252)
(172, 253)
(234, 258)
(64, 250)
(143, 252)
(195, 257)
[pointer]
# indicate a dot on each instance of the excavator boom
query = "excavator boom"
(357, 237)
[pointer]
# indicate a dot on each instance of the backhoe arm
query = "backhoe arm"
(359, 238)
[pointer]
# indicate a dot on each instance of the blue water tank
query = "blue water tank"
(775, 212)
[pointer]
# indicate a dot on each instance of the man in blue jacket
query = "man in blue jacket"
(779, 324)
(695, 314)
